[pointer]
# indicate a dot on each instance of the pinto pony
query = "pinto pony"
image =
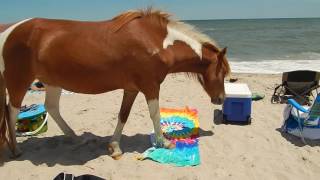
(134, 51)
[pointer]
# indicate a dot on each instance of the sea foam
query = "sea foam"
(273, 66)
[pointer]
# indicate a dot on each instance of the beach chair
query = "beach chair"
(296, 85)
(302, 121)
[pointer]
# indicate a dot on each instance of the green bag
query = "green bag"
(32, 120)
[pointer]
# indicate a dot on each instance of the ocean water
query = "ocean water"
(267, 45)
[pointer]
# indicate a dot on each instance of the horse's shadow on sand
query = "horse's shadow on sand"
(66, 151)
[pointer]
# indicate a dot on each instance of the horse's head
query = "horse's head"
(212, 79)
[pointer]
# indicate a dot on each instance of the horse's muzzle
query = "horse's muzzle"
(217, 101)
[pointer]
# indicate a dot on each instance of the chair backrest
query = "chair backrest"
(300, 82)
(314, 114)
(301, 76)
(315, 109)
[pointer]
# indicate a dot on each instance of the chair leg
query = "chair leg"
(275, 98)
(300, 122)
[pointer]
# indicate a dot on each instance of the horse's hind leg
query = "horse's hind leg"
(16, 96)
(52, 105)
(13, 114)
(127, 102)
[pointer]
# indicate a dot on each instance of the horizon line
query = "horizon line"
(210, 19)
(262, 18)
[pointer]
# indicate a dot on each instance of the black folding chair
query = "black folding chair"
(296, 85)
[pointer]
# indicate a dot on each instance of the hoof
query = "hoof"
(164, 143)
(116, 157)
(115, 151)
(16, 153)
(168, 144)
(71, 135)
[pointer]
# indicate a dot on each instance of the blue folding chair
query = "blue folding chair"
(308, 120)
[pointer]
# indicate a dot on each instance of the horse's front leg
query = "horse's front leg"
(127, 102)
(154, 111)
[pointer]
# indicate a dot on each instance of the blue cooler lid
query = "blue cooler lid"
(31, 111)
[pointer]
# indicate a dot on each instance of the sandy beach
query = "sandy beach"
(256, 151)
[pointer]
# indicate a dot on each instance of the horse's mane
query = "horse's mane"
(164, 19)
(156, 15)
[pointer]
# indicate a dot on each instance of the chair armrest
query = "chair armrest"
(297, 106)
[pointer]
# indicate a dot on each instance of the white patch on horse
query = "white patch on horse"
(189, 34)
(175, 34)
(3, 38)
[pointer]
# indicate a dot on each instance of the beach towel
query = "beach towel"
(181, 127)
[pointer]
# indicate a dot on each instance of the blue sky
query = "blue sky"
(13, 10)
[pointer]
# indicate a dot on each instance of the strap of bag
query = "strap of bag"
(35, 131)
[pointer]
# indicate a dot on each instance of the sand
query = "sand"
(256, 151)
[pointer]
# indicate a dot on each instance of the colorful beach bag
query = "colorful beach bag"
(32, 120)
(181, 127)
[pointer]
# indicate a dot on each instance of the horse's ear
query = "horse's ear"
(211, 46)
(222, 53)
(221, 62)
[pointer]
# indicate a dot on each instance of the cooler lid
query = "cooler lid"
(31, 111)
(237, 90)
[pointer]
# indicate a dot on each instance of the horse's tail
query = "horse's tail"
(4, 115)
